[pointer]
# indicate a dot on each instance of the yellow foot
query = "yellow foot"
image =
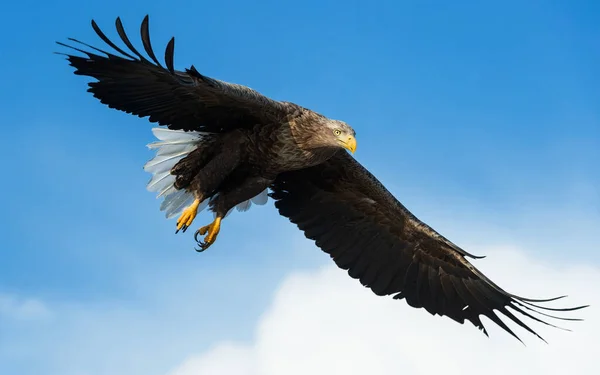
(187, 216)
(211, 230)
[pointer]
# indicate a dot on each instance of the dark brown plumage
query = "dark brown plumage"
(228, 144)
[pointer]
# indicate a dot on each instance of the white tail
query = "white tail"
(172, 146)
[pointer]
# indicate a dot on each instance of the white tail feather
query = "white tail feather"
(174, 149)
(171, 136)
(159, 181)
(174, 201)
(174, 145)
(159, 161)
(167, 191)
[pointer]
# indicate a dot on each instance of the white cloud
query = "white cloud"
(186, 318)
(324, 322)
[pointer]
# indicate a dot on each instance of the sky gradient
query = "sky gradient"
(484, 120)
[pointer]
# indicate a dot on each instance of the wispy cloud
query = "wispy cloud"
(14, 307)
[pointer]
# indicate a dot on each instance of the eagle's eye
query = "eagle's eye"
(337, 132)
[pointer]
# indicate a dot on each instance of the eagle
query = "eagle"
(223, 146)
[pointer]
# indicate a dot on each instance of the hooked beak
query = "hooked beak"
(350, 144)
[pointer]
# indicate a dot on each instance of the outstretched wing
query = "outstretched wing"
(353, 218)
(181, 100)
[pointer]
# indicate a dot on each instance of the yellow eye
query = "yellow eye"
(337, 132)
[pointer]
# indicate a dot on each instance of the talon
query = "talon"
(187, 217)
(211, 230)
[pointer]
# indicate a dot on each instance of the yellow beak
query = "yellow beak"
(350, 144)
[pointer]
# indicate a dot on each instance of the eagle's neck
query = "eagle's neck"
(295, 144)
(305, 132)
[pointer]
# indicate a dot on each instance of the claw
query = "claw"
(187, 217)
(182, 229)
(211, 231)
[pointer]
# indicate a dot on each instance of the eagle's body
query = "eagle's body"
(228, 169)
(226, 145)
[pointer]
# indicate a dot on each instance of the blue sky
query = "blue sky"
(474, 116)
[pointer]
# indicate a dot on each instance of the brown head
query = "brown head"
(333, 134)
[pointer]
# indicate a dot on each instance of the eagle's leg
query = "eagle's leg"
(210, 176)
(211, 231)
(225, 201)
(188, 215)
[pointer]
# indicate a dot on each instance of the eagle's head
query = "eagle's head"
(337, 133)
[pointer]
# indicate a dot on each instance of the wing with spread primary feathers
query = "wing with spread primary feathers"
(180, 100)
(366, 231)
